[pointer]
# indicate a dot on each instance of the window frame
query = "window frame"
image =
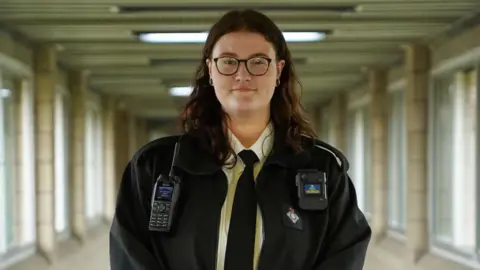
(3, 184)
(9, 188)
(396, 93)
(94, 111)
(438, 248)
(25, 233)
(62, 93)
(360, 115)
(477, 68)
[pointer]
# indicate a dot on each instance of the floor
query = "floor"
(95, 257)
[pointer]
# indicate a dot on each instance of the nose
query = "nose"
(242, 73)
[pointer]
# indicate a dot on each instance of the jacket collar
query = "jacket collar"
(193, 159)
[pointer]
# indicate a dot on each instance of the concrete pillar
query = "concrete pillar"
(379, 135)
(338, 129)
(417, 59)
(315, 118)
(45, 66)
(109, 156)
(122, 155)
(142, 136)
(132, 135)
(78, 85)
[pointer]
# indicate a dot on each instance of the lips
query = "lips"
(243, 89)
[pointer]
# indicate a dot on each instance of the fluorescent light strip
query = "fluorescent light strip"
(181, 91)
(202, 37)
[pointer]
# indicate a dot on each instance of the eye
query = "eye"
(259, 61)
(228, 61)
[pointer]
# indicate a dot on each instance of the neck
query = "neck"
(248, 129)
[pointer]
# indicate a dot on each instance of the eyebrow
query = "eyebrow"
(236, 55)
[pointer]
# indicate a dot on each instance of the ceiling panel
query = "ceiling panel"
(96, 35)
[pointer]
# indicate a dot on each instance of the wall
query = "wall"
(392, 252)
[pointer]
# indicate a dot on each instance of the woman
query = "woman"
(245, 140)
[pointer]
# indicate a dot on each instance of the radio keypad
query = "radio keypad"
(160, 214)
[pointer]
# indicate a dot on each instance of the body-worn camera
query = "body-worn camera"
(312, 189)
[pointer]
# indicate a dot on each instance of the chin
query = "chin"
(246, 108)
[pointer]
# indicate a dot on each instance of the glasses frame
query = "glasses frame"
(240, 61)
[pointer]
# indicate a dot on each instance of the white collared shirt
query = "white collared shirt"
(262, 148)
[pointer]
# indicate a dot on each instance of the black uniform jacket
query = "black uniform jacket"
(332, 239)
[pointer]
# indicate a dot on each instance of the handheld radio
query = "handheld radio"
(166, 192)
(312, 189)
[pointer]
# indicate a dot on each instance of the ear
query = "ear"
(209, 65)
(280, 65)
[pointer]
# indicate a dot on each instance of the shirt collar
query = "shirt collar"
(262, 147)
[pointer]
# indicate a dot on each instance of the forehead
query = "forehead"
(243, 44)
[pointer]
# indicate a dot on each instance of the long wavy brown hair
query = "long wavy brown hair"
(203, 116)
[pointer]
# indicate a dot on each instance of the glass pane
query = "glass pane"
(368, 161)
(3, 190)
(358, 155)
(61, 188)
(98, 165)
(454, 160)
(396, 162)
(90, 164)
(442, 152)
(464, 163)
(8, 164)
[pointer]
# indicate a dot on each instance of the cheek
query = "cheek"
(268, 85)
(222, 84)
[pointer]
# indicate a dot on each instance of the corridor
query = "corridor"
(393, 84)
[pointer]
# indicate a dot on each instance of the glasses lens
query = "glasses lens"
(257, 66)
(227, 65)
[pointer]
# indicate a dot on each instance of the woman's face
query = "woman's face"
(250, 87)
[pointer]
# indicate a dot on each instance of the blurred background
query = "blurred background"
(391, 83)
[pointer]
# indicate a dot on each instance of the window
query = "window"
(397, 182)
(28, 206)
(453, 156)
(61, 163)
(359, 156)
(17, 170)
(94, 188)
(7, 167)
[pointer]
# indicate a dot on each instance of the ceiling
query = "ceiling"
(97, 35)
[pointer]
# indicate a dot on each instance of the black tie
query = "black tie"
(241, 234)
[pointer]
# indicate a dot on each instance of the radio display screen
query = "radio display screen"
(164, 193)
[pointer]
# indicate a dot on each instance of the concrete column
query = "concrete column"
(78, 85)
(132, 135)
(122, 155)
(315, 118)
(379, 135)
(338, 131)
(142, 137)
(319, 125)
(45, 66)
(109, 156)
(417, 59)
